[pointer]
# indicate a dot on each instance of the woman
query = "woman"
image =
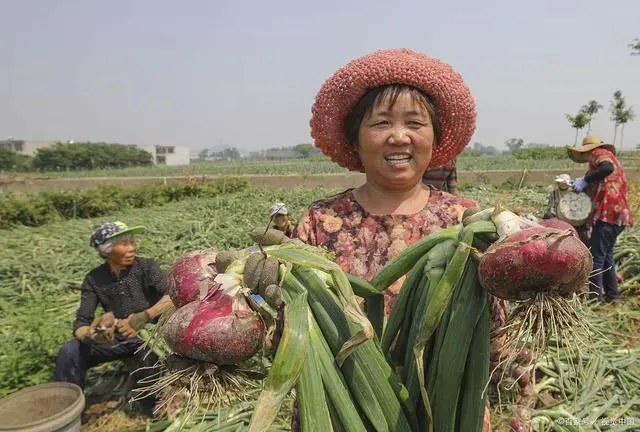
(606, 184)
(128, 288)
(392, 115)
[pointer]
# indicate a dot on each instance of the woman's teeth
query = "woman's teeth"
(397, 159)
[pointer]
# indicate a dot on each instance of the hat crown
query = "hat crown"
(592, 139)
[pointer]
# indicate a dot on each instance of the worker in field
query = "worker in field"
(606, 184)
(131, 291)
(279, 213)
(392, 115)
(442, 178)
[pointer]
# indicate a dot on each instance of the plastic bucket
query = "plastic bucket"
(52, 407)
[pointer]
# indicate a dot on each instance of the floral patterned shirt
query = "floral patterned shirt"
(363, 242)
(609, 196)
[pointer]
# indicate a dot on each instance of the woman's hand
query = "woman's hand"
(129, 326)
(579, 184)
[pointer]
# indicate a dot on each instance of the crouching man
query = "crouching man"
(131, 290)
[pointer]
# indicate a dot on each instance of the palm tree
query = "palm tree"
(635, 47)
(617, 106)
(578, 122)
(591, 109)
(623, 117)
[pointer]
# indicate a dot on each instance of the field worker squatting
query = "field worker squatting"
(132, 290)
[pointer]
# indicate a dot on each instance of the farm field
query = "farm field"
(316, 165)
(42, 268)
(320, 172)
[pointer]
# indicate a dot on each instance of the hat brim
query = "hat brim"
(455, 106)
(576, 151)
(132, 230)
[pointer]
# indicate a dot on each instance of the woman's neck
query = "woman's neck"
(115, 268)
(382, 201)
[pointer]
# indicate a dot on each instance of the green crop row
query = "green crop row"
(46, 207)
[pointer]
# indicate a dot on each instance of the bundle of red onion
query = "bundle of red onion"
(541, 269)
(213, 321)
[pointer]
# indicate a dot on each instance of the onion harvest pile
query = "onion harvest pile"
(426, 367)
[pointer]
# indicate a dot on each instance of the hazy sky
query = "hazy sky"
(244, 74)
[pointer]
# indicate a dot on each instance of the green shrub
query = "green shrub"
(77, 156)
(12, 161)
(36, 210)
(541, 153)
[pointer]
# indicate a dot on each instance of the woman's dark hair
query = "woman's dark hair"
(391, 93)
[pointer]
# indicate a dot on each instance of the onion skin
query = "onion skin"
(220, 329)
(535, 261)
(558, 224)
(191, 277)
(517, 426)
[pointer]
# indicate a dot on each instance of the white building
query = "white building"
(172, 155)
(166, 155)
(25, 147)
(161, 155)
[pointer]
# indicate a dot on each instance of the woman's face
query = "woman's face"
(395, 143)
(281, 221)
(124, 252)
(583, 157)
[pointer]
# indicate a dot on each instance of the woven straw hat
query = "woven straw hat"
(455, 106)
(589, 143)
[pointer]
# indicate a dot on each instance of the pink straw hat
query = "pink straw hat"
(455, 107)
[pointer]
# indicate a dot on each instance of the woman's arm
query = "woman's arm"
(86, 312)
(604, 169)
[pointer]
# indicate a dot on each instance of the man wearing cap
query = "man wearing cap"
(131, 290)
(606, 184)
(280, 215)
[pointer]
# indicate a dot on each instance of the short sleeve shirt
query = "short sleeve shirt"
(609, 196)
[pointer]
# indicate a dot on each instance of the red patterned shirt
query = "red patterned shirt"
(363, 242)
(609, 196)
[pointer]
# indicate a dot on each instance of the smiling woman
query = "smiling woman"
(392, 115)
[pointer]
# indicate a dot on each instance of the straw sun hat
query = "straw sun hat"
(455, 106)
(590, 142)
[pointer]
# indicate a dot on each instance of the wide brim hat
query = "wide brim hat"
(589, 143)
(109, 230)
(455, 106)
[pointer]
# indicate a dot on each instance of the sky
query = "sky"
(211, 73)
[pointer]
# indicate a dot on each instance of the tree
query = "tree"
(12, 161)
(578, 122)
(622, 118)
(620, 114)
(514, 144)
(635, 47)
(203, 154)
(304, 149)
(591, 109)
(89, 156)
(485, 150)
